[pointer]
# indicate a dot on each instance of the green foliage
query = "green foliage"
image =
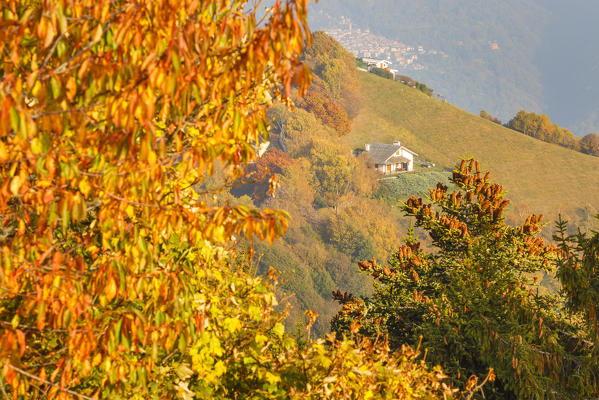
(332, 173)
(472, 302)
(360, 63)
(404, 186)
(424, 89)
(578, 273)
(349, 240)
(406, 80)
(245, 353)
(382, 72)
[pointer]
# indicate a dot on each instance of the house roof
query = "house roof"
(380, 152)
(383, 153)
(396, 160)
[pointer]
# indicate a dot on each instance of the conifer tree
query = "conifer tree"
(474, 303)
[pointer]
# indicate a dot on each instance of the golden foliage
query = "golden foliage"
(115, 275)
(111, 112)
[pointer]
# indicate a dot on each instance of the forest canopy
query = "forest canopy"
(121, 276)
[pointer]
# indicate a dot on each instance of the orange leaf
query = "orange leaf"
(110, 289)
(71, 88)
(21, 340)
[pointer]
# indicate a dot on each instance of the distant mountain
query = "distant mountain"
(537, 55)
(538, 177)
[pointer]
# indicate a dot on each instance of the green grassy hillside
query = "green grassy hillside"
(539, 177)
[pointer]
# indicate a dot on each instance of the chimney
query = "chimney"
(397, 143)
(367, 146)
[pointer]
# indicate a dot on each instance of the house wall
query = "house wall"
(403, 153)
(383, 168)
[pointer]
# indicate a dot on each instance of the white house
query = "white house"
(382, 64)
(391, 158)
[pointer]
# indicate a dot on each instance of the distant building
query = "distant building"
(391, 158)
(373, 62)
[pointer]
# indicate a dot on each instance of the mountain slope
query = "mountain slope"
(545, 60)
(538, 176)
(473, 76)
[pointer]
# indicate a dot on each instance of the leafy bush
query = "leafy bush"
(404, 186)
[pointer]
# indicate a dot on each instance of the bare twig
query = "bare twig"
(37, 378)
(3, 390)
(135, 203)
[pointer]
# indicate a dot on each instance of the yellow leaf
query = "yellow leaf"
(36, 146)
(15, 321)
(219, 368)
(49, 37)
(84, 187)
(37, 89)
(97, 33)
(232, 324)
(21, 230)
(151, 158)
(15, 185)
(3, 152)
(97, 359)
(110, 289)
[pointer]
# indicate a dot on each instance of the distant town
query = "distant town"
(363, 43)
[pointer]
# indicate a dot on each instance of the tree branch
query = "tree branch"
(31, 376)
(2, 389)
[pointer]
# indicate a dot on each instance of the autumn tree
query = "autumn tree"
(295, 193)
(332, 73)
(349, 239)
(116, 279)
(327, 111)
(335, 72)
(590, 144)
(473, 303)
(296, 130)
(259, 175)
(540, 126)
(485, 114)
(111, 113)
(332, 171)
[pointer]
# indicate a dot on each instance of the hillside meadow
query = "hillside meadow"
(538, 176)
